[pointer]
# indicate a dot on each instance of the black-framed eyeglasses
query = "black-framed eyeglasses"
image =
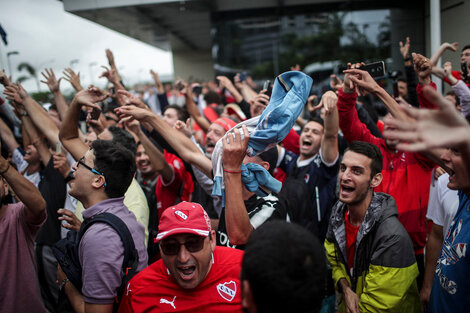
(192, 244)
(80, 162)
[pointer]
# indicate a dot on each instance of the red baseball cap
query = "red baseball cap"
(184, 218)
(225, 122)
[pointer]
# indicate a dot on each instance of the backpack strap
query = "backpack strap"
(131, 257)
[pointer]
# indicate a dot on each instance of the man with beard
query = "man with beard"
(370, 253)
(19, 224)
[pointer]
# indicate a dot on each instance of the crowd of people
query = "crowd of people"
(221, 197)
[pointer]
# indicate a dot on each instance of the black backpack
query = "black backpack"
(66, 252)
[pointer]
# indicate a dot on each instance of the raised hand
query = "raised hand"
(405, 49)
(184, 128)
(16, 93)
(423, 68)
(224, 81)
(295, 67)
(259, 103)
(444, 127)
(50, 80)
(89, 97)
(335, 82)
(72, 78)
(4, 80)
(328, 101)
(130, 99)
(60, 163)
(110, 74)
(451, 46)
(234, 149)
(362, 81)
(134, 112)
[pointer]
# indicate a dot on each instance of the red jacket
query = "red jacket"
(406, 176)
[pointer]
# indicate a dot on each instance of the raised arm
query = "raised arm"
(35, 205)
(364, 82)
(237, 220)
(38, 115)
(69, 132)
(445, 46)
(329, 141)
(156, 158)
(192, 108)
(36, 139)
(54, 86)
(73, 79)
(186, 149)
(7, 137)
(158, 83)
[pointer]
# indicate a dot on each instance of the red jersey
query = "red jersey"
(154, 290)
(168, 192)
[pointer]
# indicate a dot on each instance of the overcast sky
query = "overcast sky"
(47, 36)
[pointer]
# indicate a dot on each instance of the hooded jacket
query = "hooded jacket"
(385, 270)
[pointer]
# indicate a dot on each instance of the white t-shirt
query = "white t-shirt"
(443, 203)
(21, 165)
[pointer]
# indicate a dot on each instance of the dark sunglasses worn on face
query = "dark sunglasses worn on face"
(192, 244)
(80, 162)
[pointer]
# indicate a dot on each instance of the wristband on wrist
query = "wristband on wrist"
(5, 170)
(233, 172)
(407, 59)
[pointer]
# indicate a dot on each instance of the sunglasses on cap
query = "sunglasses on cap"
(172, 246)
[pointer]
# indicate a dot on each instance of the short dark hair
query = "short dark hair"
(401, 79)
(452, 93)
(465, 47)
(285, 265)
(116, 163)
(124, 138)
(369, 150)
(212, 97)
(270, 156)
(316, 119)
(182, 114)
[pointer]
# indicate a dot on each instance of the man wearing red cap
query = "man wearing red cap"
(193, 274)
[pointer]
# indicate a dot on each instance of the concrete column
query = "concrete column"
(435, 33)
(191, 62)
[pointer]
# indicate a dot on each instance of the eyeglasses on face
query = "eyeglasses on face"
(192, 244)
(80, 162)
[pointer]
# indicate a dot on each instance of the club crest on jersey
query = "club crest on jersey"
(182, 215)
(227, 290)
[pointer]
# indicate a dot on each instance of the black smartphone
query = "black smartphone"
(464, 69)
(197, 90)
(95, 114)
(376, 69)
(242, 76)
(267, 86)
(179, 86)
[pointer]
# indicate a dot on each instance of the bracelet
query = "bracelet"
(3, 172)
(234, 172)
(63, 282)
(407, 59)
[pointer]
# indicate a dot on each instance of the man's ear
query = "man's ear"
(248, 301)
(376, 180)
(98, 182)
(213, 240)
(265, 165)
